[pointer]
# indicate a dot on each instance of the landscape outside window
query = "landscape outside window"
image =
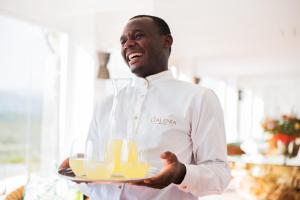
(29, 97)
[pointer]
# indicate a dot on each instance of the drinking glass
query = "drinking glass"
(96, 163)
(77, 156)
(132, 164)
(123, 149)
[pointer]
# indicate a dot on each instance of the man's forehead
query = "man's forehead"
(141, 19)
(139, 23)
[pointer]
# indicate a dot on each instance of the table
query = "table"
(266, 177)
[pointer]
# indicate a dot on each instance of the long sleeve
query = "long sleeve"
(209, 173)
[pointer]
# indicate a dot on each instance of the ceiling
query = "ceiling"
(240, 36)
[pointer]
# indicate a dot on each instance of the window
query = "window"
(228, 97)
(32, 75)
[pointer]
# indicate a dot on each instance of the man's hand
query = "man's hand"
(64, 165)
(173, 172)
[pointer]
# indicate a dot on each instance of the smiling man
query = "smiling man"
(181, 123)
(146, 45)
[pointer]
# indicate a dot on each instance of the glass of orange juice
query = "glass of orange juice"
(96, 165)
(132, 166)
(76, 158)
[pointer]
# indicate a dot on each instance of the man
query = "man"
(181, 122)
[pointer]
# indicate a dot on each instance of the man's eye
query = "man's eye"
(138, 35)
(122, 42)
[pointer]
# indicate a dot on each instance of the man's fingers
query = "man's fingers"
(156, 186)
(156, 183)
(140, 183)
(166, 155)
(151, 183)
(64, 164)
(158, 179)
(152, 180)
(169, 157)
(166, 176)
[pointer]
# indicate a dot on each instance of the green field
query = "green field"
(20, 127)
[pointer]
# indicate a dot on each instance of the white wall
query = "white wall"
(270, 87)
(280, 94)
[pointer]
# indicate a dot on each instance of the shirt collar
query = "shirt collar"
(160, 76)
(145, 82)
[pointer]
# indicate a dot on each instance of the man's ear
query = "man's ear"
(168, 41)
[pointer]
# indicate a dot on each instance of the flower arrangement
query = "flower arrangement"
(288, 125)
(284, 129)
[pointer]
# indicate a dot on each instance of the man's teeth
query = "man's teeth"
(134, 55)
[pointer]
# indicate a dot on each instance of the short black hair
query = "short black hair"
(160, 23)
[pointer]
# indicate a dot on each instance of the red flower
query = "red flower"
(285, 139)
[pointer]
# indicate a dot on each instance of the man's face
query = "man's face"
(143, 47)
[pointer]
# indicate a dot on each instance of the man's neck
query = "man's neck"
(152, 73)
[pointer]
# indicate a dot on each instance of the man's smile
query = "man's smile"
(133, 57)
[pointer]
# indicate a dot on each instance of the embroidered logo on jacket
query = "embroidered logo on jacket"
(163, 121)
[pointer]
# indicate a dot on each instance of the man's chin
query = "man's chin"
(134, 68)
(137, 70)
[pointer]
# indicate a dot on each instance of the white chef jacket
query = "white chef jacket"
(175, 116)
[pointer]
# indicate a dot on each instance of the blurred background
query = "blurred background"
(56, 58)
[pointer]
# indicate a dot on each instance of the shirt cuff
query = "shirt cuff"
(84, 188)
(201, 180)
(188, 179)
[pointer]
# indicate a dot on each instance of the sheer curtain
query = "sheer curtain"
(32, 88)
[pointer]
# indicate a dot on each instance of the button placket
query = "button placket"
(138, 107)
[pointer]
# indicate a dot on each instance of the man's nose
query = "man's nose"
(129, 43)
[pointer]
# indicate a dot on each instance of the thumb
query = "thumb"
(168, 157)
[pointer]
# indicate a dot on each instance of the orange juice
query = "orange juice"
(76, 165)
(130, 167)
(132, 152)
(97, 169)
(114, 154)
(134, 170)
